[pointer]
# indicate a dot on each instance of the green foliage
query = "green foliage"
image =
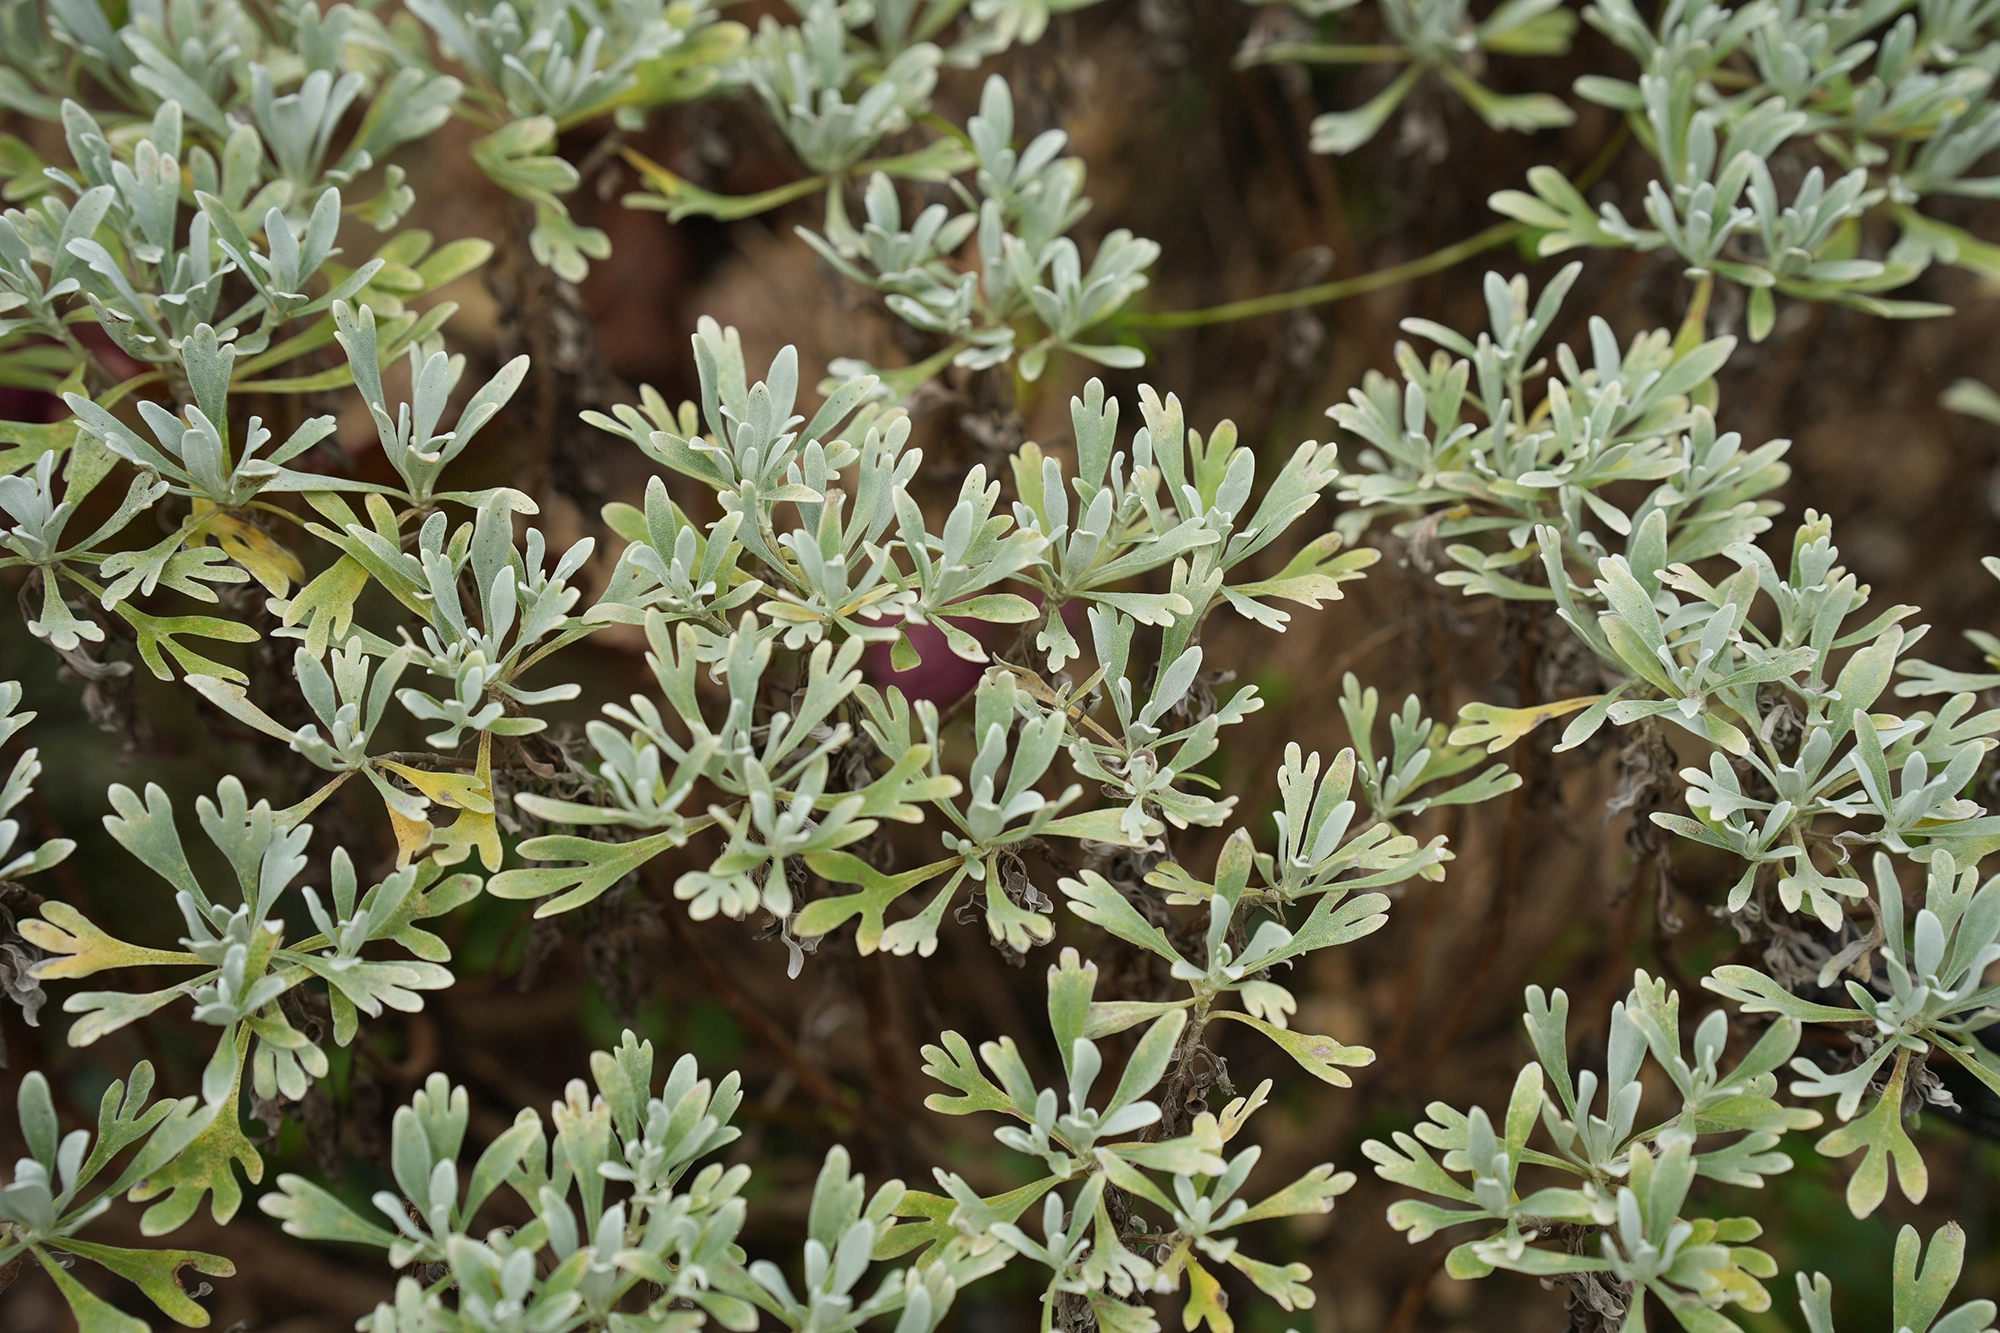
(1186, 1177)
(1896, 102)
(58, 1190)
(1724, 661)
(243, 967)
(575, 1262)
(1628, 1181)
(1027, 295)
(1434, 37)
(197, 222)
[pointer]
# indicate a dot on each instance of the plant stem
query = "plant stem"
(1471, 982)
(1694, 325)
(762, 1027)
(1320, 53)
(1325, 293)
(124, 388)
(904, 380)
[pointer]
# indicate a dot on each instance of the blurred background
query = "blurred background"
(1560, 884)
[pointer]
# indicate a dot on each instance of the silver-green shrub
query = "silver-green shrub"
(1593, 479)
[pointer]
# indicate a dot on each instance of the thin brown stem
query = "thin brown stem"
(1404, 1316)
(767, 1031)
(1507, 890)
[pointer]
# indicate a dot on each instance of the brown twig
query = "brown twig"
(760, 1025)
(1411, 1304)
(1508, 889)
(1409, 1000)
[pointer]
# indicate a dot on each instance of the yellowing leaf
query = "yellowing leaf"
(93, 1313)
(1205, 1301)
(1284, 1284)
(412, 835)
(157, 1273)
(1497, 728)
(1318, 1056)
(476, 828)
(205, 1166)
(877, 892)
(83, 949)
(1881, 1135)
(295, 814)
(459, 791)
(1314, 1192)
(253, 548)
(327, 604)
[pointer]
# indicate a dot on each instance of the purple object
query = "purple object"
(943, 676)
